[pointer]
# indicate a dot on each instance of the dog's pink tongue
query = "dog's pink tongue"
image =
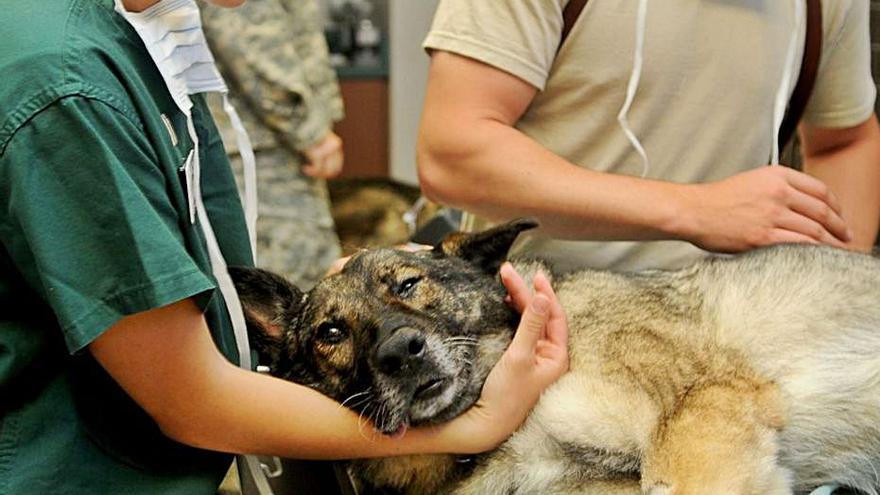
(399, 432)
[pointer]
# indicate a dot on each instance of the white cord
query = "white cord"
(633, 85)
(785, 86)
(249, 167)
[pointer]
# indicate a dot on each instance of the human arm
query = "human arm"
(848, 161)
(484, 164)
(165, 359)
(274, 57)
(839, 132)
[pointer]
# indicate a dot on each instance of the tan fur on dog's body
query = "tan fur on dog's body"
(754, 375)
(757, 374)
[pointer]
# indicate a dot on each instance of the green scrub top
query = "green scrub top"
(94, 226)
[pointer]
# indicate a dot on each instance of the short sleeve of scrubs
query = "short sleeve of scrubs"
(90, 219)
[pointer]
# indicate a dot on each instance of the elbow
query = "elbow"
(432, 179)
(180, 425)
(178, 432)
(196, 416)
(443, 172)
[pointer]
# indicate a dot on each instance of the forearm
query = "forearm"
(854, 175)
(494, 170)
(243, 412)
(198, 398)
(852, 171)
(166, 361)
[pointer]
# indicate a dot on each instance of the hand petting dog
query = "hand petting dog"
(537, 357)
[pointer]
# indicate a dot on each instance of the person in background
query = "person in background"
(652, 122)
(119, 338)
(274, 57)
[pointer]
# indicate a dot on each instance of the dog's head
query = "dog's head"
(405, 338)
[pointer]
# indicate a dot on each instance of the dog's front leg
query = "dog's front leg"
(722, 438)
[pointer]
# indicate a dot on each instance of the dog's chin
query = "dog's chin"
(435, 402)
(442, 404)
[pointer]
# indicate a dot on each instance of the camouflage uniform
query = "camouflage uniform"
(274, 58)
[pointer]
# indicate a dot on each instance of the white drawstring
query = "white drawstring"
(633, 85)
(785, 86)
(249, 166)
(215, 255)
(171, 31)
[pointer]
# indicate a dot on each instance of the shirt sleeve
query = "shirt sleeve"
(276, 57)
(86, 217)
(844, 92)
(517, 36)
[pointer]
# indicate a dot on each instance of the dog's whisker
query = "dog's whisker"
(462, 344)
(363, 400)
(366, 392)
(380, 417)
(361, 423)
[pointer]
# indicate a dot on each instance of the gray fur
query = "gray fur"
(754, 374)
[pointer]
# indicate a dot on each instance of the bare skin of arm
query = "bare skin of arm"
(470, 156)
(848, 161)
(166, 361)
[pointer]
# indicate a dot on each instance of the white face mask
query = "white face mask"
(172, 33)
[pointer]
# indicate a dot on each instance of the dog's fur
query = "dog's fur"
(756, 374)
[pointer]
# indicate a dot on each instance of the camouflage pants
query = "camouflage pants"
(295, 232)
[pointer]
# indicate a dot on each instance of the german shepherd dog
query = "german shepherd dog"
(754, 374)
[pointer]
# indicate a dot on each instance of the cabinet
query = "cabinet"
(364, 130)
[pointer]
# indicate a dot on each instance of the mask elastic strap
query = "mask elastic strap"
(785, 86)
(218, 263)
(249, 166)
(633, 86)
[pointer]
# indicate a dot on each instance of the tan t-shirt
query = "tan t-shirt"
(703, 110)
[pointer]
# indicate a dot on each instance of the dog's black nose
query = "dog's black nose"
(405, 347)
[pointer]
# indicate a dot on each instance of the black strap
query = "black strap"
(806, 78)
(570, 15)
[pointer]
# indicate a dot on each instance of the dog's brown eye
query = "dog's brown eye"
(331, 333)
(405, 288)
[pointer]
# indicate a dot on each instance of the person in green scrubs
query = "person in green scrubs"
(117, 356)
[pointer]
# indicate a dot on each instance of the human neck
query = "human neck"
(138, 5)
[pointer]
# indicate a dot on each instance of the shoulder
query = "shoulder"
(839, 16)
(59, 49)
(517, 36)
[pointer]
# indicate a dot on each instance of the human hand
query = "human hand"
(337, 266)
(324, 158)
(537, 357)
(765, 206)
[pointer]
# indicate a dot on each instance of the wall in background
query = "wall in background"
(408, 24)
(875, 43)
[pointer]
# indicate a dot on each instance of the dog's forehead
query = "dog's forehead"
(362, 279)
(385, 265)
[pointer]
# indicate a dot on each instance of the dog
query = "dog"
(752, 374)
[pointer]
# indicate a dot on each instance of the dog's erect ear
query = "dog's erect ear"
(487, 249)
(268, 301)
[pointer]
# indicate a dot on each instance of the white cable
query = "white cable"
(785, 86)
(633, 86)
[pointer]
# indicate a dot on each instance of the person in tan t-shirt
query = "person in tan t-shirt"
(537, 133)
